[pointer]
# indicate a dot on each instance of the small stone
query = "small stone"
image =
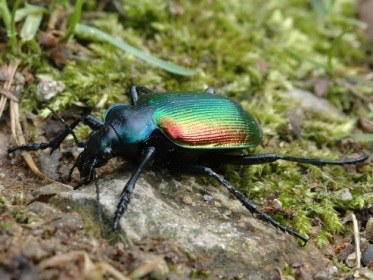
(367, 256)
(329, 273)
(345, 252)
(351, 260)
(369, 230)
(217, 204)
(207, 198)
(187, 200)
(346, 195)
(48, 89)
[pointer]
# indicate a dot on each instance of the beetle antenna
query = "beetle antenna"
(66, 125)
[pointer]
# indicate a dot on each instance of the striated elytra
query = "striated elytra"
(183, 131)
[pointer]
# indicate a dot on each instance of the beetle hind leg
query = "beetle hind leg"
(252, 207)
(268, 158)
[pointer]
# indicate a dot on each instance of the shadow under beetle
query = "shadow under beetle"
(180, 130)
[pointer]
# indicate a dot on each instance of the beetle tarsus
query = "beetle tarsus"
(122, 206)
(29, 147)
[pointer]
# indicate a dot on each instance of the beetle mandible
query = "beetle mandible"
(180, 130)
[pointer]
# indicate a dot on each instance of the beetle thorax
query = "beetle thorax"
(131, 123)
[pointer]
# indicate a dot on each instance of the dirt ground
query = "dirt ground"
(38, 241)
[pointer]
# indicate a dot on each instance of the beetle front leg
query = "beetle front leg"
(128, 189)
(89, 120)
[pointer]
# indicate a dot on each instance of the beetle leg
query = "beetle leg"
(267, 158)
(252, 207)
(135, 90)
(128, 189)
(210, 90)
(89, 120)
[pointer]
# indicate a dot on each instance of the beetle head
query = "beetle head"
(97, 151)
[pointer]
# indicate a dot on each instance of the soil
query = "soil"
(38, 241)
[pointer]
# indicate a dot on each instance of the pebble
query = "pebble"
(187, 200)
(369, 230)
(367, 256)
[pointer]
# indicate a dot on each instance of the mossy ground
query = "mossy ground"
(252, 51)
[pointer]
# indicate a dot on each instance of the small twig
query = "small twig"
(357, 239)
(278, 270)
(89, 265)
(146, 268)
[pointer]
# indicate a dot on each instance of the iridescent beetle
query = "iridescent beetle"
(180, 130)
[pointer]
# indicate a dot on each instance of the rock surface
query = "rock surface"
(220, 231)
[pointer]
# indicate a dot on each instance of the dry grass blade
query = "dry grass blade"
(357, 240)
(91, 270)
(146, 268)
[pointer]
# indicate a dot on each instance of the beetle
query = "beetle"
(180, 130)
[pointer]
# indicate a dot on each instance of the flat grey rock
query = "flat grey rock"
(234, 242)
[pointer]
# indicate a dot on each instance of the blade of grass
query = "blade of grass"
(31, 25)
(28, 9)
(329, 4)
(74, 20)
(12, 35)
(5, 14)
(353, 22)
(362, 137)
(335, 42)
(168, 66)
